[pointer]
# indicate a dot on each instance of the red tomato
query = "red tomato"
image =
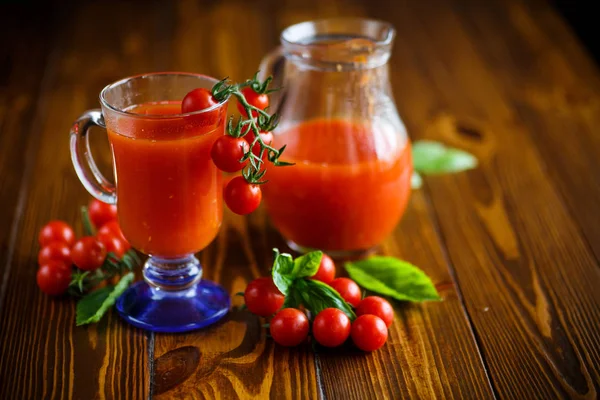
(112, 229)
(242, 197)
(289, 327)
(331, 327)
(101, 213)
(88, 253)
(56, 231)
(326, 272)
(260, 101)
(375, 305)
(369, 332)
(112, 244)
(348, 289)
(267, 138)
(55, 251)
(53, 278)
(198, 99)
(227, 151)
(262, 297)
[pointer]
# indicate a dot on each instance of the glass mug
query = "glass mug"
(351, 180)
(168, 192)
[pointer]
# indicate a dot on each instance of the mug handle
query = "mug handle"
(83, 162)
(274, 64)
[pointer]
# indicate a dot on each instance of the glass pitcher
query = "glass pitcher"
(351, 180)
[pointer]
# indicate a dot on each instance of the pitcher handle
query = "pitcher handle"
(274, 64)
(83, 162)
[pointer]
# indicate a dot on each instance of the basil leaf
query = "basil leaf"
(283, 264)
(416, 181)
(392, 277)
(92, 307)
(434, 158)
(307, 265)
(317, 296)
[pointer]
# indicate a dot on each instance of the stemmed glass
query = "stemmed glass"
(168, 193)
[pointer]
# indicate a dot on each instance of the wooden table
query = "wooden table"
(513, 246)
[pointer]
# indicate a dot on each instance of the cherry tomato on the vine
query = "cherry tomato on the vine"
(100, 213)
(112, 228)
(198, 99)
(326, 272)
(56, 231)
(260, 101)
(53, 278)
(375, 305)
(242, 197)
(262, 297)
(112, 244)
(88, 253)
(267, 138)
(348, 289)
(55, 251)
(289, 327)
(331, 327)
(369, 332)
(227, 151)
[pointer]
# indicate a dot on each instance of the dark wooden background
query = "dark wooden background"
(513, 246)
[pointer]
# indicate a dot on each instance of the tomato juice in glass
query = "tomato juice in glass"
(333, 198)
(168, 189)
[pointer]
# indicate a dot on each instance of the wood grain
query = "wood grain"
(524, 268)
(512, 246)
(43, 354)
(236, 359)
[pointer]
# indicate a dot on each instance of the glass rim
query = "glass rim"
(387, 40)
(105, 103)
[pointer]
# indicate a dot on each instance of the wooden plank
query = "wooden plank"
(232, 359)
(431, 351)
(552, 84)
(43, 354)
(527, 276)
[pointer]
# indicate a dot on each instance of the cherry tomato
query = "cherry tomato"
(55, 251)
(227, 152)
(112, 244)
(267, 138)
(88, 253)
(56, 231)
(289, 327)
(348, 289)
(262, 297)
(260, 101)
(369, 332)
(53, 278)
(242, 197)
(101, 213)
(331, 327)
(112, 228)
(326, 272)
(198, 99)
(378, 306)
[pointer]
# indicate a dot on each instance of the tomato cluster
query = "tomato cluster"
(60, 250)
(227, 152)
(331, 327)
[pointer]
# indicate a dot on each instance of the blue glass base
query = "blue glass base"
(158, 310)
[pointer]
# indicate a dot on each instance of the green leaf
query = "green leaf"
(283, 265)
(307, 265)
(392, 277)
(434, 158)
(416, 181)
(317, 296)
(92, 307)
